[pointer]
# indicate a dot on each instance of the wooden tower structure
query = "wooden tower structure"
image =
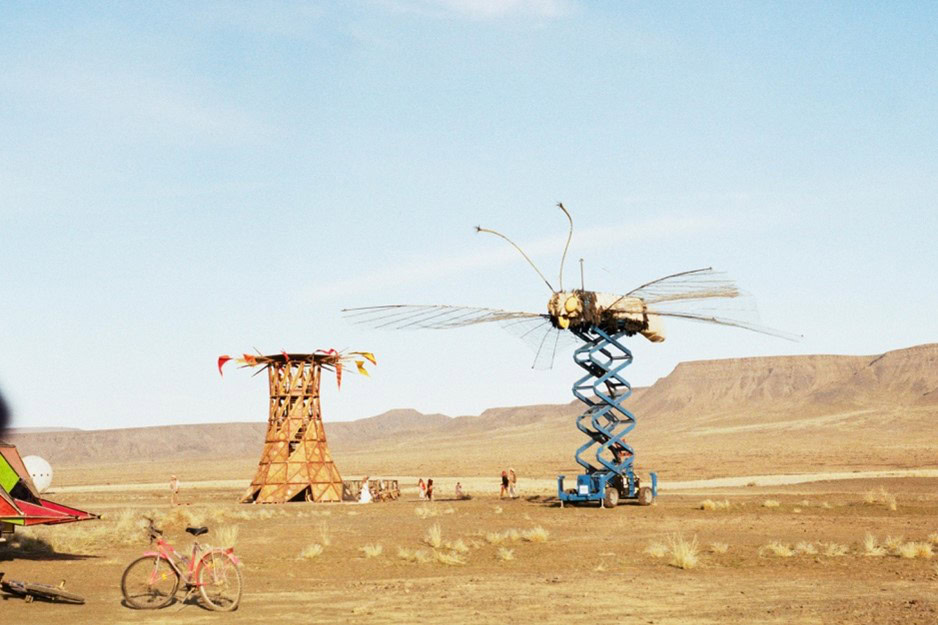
(295, 464)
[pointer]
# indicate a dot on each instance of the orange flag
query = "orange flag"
(250, 359)
(368, 356)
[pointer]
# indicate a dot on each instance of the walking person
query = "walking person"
(173, 490)
(512, 484)
(430, 489)
(421, 489)
(504, 490)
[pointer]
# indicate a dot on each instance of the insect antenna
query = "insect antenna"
(530, 262)
(563, 258)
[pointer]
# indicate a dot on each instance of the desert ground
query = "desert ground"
(793, 490)
(790, 553)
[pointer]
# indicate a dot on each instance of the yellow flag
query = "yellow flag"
(361, 367)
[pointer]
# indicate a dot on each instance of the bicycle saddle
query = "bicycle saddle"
(197, 531)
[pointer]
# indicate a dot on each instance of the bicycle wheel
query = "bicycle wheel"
(219, 581)
(149, 582)
(52, 593)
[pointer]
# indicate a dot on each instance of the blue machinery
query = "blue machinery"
(609, 475)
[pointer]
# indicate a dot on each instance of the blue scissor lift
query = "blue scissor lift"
(606, 422)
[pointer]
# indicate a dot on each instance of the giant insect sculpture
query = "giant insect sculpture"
(600, 321)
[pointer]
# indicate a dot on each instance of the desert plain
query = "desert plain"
(793, 490)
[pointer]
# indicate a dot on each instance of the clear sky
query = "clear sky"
(183, 180)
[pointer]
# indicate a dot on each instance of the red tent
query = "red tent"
(20, 503)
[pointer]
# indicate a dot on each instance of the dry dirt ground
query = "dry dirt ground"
(593, 566)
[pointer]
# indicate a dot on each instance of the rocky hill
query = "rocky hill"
(791, 411)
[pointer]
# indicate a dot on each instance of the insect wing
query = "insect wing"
(439, 317)
(542, 338)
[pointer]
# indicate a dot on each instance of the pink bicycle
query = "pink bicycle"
(151, 581)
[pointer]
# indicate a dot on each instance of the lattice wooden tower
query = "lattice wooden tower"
(296, 464)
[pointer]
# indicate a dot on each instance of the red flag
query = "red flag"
(286, 356)
(338, 374)
(221, 363)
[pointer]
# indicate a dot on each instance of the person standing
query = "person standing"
(365, 495)
(430, 489)
(421, 489)
(512, 483)
(504, 490)
(173, 490)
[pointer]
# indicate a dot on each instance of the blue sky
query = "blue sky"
(182, 180)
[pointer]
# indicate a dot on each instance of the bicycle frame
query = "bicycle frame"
(189, 576)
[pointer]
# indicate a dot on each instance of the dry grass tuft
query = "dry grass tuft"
(806, 548)
(871, 547)
(311, 552)
(498, 509)
(449, 558)
(925, 550)
(656, 550)
(933, 538)
(719, 547)
(776, 548)
(434, 536)
(804, 503)
(881, 496)
(600, 568)
(425, 512)
(907, 550)
(684, 553)
(835, 550)
(827, 506)
(459, 546)
(892, 544)
(535, 535)
(709, 504)
(494, 538)
(770, 503)
(372, 551)
(226, 536)
(505, 554)
(418, 556)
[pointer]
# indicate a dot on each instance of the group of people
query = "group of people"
(509, 484)
(425, 489)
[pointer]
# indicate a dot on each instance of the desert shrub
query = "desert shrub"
(835, 550)
(449, 558)
(880, 496)
(806, 548)
(372, 551)
(925, 550)
(434, 536)
(459, 546)
(226, 536)
(776, 548)
(871, 547)
(425, 512)
(684, 553)
(535, 535)
(709, 504)
(933, 538)
(892, 544)
(311, 552)
(771, 503)
(907, 550)
(494, 538)
(505, 554)
(719, 547)
(656, 550)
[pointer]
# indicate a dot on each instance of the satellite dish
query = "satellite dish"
(40, 471)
